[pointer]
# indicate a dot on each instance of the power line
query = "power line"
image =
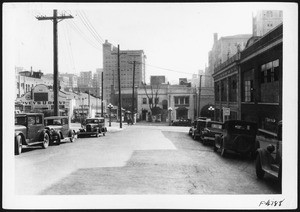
(92, 27)
(86, 24)
(79, 31)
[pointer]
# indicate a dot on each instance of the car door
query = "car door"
(32, 128)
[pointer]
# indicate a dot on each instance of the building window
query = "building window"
(248, 91)
(156, 100)
(262, 73)
(223, 90)
(182, 100)
(276, 70)
(270, 72)
(144, 100)
(150, 101)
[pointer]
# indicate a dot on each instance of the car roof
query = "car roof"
(95, 118)
(56, 117)
(215, 122)
(26, 114)
(240, 122)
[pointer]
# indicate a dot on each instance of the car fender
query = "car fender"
(218, 140)
(20, 133)
(265, 158)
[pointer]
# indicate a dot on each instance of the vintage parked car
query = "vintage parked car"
(269, 159)
(211, 130)
(182, 122)
(30, 130)
(197, 129)
(59, 128)
(93, 126)
(238, 136)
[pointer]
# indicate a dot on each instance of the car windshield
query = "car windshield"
(216, 126)
(89, 121)
(242, 128)
(20, 120)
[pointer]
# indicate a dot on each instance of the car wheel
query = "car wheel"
(215, 148)
(194, 137)
(59, 139)
(72, 136)
(260, 173)
(18, 145)
(103, 133)
(45, 143)
(223, 151)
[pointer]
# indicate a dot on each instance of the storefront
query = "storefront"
(40, 99)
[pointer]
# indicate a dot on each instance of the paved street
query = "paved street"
(138, 159)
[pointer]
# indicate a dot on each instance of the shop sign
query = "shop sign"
(226, 111)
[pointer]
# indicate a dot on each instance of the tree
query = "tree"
(153, 98)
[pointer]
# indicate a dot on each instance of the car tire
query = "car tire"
(72, 136)
(195, 137)
(18, 145)
(215, 148)
(46, 141)
(223, 151)
(59, 139)
(260, 173)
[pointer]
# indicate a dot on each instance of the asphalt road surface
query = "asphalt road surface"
(136, 160)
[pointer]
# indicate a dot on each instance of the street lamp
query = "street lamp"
(170, 110)
(110, 106)
(211, 109)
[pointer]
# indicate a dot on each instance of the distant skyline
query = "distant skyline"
(176, 37)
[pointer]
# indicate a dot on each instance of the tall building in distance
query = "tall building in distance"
(222, 49)
(110, 70)
(97, 82)
(265, 20)
(85, 79)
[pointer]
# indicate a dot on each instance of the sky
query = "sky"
(174, 36)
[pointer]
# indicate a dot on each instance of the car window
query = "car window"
(31, 120)
(20, 120)
(38, 119)
(216, 126)
(64, 121)
(242, 128)
(57, 121)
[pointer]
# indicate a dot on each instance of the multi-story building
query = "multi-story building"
(265, 20)
(85, 80)
(249, 84)
(110, 70)
(27, 80)
(71, 79)
(97, 82)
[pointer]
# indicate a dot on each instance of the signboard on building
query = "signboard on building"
(226, 111)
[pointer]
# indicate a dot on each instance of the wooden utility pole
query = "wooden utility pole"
(133, 86)
(102, 94)
(55, 20)
(133, 90)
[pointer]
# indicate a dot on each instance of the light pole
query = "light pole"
(110, 106)
(170, 110)
(211, 110)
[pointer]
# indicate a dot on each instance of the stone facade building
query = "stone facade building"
(266, 20)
